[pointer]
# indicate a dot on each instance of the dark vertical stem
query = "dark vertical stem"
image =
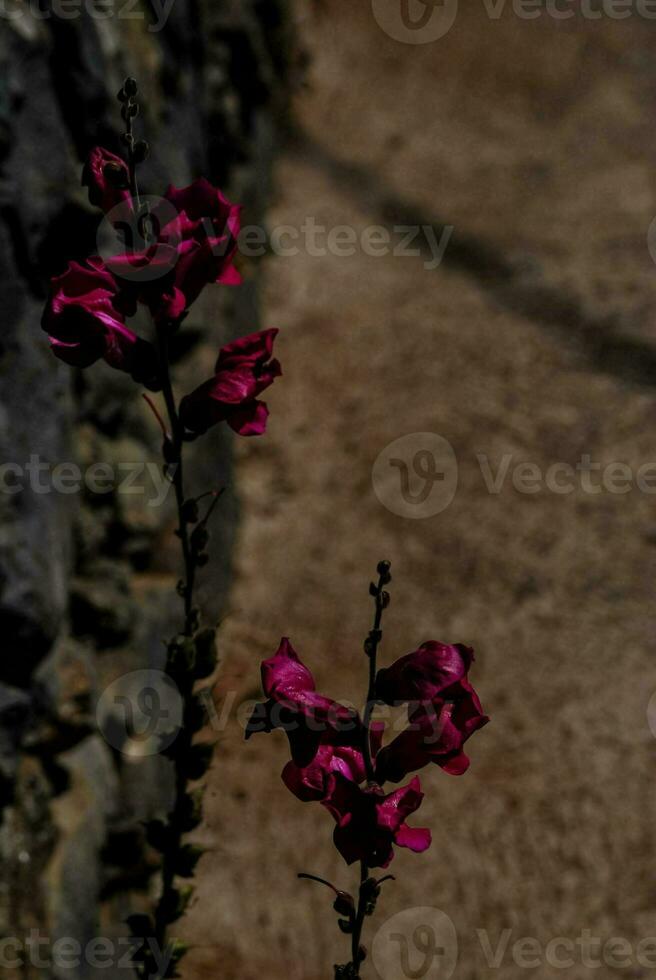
(175, 461)
(178, 480)
(371, 649)
(359, 920)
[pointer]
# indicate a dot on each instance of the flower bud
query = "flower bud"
(141, 151)
(190, 512)
(199, 537)
(116, 175)
(344, 904)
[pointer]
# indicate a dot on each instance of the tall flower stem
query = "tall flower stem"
(182, 667)
(366, 894)
(175, 461)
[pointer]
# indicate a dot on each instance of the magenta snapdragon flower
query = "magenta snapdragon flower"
(444, 710)
(425, 673)
(327, 743)
(370, 822)
(314, 781)
(243, 370)
(85, 321)
(191, 242)
(107, 178)
(309, 719)
(195, 230)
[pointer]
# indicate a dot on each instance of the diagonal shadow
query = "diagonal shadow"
(602, 341)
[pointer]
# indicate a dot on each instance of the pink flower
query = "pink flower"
(157, 289)
(85, 321)
(309, 719)
(437, 732)
(314, 781)
(243, 370)
(194, 241)
(369, 822)
(424, 674)
(445, 710)
(107, 177)
(204, 233)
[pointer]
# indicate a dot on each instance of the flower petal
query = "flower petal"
(417, 839)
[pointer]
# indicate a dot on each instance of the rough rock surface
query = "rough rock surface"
(86, 577)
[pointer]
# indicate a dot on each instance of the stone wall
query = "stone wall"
(85, 579)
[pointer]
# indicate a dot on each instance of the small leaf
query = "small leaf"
(172, 905)
(181, 656)
(197, 761)
(190, 812)
(158, 835)
(206, 654)
(195, 715)
(186, 860)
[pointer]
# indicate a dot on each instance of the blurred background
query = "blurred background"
(520, 330)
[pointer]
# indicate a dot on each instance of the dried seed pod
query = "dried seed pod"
(141, 151)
